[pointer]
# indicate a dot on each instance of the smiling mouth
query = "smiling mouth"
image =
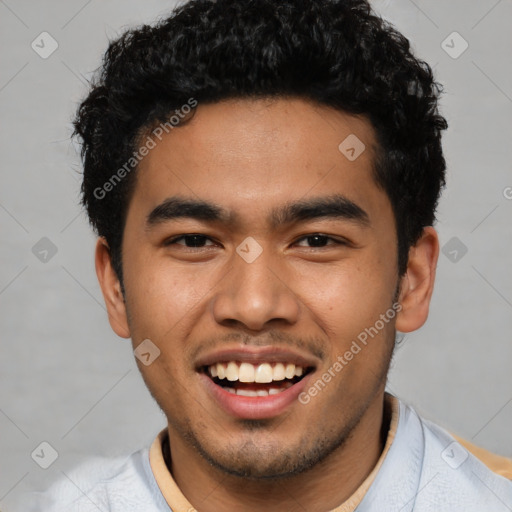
(255, 380)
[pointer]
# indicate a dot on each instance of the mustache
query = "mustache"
(308, 344)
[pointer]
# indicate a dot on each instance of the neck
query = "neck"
(324, 487)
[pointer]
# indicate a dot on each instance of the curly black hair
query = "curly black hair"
(337, 53)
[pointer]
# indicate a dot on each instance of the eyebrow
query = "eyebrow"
(333, 206)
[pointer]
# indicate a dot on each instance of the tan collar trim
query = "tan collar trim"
(356, 498)
(170, 491)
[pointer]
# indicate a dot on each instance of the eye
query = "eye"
(190, 240)
(317, 240)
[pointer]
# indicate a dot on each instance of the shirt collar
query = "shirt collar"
(178, 503)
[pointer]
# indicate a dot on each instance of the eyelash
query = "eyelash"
(174, 240)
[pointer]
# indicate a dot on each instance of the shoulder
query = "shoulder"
(456, 476)
(496, 463)
(109, 484)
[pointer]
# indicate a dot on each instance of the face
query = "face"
(255, 254)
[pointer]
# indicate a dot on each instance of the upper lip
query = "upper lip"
(256, 355)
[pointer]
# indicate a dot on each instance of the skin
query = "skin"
(250, 156)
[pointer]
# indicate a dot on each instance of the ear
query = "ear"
(417, 284)
(111, 289)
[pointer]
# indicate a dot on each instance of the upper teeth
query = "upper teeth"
(247, 372)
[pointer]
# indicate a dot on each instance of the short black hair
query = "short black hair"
(337, 53)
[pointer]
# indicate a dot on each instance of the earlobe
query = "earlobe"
(111, 289)
(417, 284)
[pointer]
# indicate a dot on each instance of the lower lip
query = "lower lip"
(254, 407)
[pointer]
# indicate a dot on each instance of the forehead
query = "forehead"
(249, 154)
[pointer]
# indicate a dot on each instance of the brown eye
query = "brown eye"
(192, 240)
(318, 240)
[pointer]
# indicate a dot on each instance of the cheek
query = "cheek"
(161, 298)
(347, 298)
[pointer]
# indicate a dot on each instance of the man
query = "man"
(263, 177)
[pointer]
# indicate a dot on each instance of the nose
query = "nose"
(255, 294)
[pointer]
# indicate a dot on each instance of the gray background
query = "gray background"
(68, 380)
